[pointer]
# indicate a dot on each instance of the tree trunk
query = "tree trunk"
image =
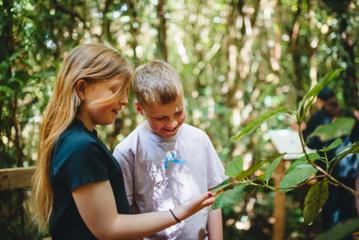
(350, 82)
(6, 106)
(162, 30)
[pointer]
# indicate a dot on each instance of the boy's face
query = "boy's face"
(164, 119)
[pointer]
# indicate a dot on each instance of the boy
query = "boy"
(165, 161)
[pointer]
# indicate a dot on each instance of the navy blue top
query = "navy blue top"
(79, 158)
(349, 165)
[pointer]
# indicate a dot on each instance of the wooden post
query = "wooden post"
(279, 205)
(14, 178)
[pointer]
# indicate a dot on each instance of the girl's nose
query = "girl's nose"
(124, 101)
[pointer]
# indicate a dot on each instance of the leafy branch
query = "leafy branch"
(303, 170)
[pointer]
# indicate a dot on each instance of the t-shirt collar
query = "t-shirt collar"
(158, 138)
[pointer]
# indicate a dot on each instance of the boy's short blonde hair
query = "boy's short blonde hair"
(156, 83)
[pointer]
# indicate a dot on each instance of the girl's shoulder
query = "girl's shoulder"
(74, 144)
(73, 137)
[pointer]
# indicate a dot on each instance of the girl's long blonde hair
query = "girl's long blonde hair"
(90, 62)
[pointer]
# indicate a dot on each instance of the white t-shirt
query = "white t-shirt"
(163, 173)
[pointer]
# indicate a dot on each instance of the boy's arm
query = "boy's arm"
(214, 225)
(215, 175)
(124, 157)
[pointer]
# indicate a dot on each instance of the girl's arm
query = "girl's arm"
(97, 207)
(214, 225)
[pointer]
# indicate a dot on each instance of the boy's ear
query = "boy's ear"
(80, 88)
(139, 108)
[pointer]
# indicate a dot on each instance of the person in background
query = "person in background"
(340, 204)
(356, 113)
(166, 161)
(78, 187)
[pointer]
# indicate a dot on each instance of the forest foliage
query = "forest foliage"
(240, 61)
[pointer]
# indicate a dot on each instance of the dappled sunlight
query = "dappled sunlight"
(237, 61)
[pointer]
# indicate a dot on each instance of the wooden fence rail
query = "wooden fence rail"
(20, 178)
(16, 178)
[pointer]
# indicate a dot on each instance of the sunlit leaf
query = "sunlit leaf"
(315, 199)
(234, 167)
(341, 230)
(249, 171)
(253, 125)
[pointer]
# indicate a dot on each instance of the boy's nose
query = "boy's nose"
(172, 123)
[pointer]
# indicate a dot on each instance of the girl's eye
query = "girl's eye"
(160, 118)
(178, 113)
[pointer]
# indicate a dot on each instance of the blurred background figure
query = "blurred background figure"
(341, 203)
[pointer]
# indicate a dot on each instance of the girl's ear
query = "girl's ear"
(139, 108)
(80, 88)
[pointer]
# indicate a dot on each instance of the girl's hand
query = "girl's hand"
(194, 206)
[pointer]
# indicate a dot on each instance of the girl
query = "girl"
(78, 186)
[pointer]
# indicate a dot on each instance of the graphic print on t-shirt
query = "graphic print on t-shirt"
(170, 158)
(173, 184)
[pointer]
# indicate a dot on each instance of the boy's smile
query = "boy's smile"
(164, 119)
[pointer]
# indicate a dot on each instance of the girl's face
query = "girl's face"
(164, 119)
(99, 105)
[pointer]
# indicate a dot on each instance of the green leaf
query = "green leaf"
(272, 166)
(354, 148)
(249, 171)
(303, 160)
(323, 82)
(312, 156)
(340, 127)
(4, 66)
(226, 184)
(298, 174)
(315, 199)
(333, 145)
(6, 90)
(234, 167)
(341, 230)
(314, 91)
(229, 197)
(15, 83)
(253, 125)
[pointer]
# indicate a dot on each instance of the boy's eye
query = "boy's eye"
(179, 113)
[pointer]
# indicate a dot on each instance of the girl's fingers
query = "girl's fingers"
(206, 199)
(209, 201)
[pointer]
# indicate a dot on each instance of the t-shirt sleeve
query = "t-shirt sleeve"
(125, 158)
(215, 170)
(83, 166)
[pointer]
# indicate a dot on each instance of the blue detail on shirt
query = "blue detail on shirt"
(171, 158)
